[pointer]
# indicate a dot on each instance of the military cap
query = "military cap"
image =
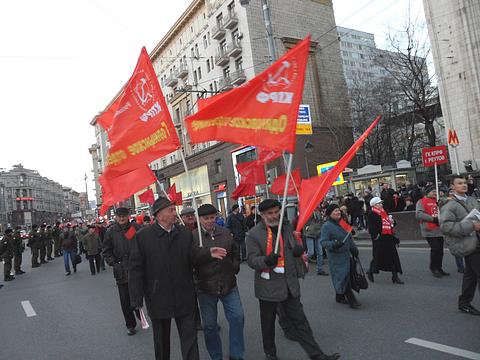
(122, 211)
(187, 211)
(8, 231)
(268, 204)
(160, 204)
(206, 209)
(43, 225)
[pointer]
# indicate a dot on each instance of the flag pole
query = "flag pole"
(436, 181)
(194, 201)
(284, 202)
(291, 176)
(168, 197)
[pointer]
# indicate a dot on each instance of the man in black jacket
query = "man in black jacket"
(161, 270)
(217, 281)
(236, 224)
(116, 250)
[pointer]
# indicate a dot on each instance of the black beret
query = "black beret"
(268, 204)
(330, 208)
(206, 209)
(122, 211)
(235, 207)
(146, 218)
(8, 231)
(160, 204)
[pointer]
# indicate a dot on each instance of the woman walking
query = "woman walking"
(385, 255)
(339, 245)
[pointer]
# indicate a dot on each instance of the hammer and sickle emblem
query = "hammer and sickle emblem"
(141, 92)
(279, 78)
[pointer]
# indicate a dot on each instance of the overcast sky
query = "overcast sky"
(61, 62)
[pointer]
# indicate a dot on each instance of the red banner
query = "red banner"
(142, 129)
(264, 156)
(262, 112)
(147, 197)
(435, 154)
(174, 196)
(313, 190)
(251, 173)
(105, 119)
(278, 185)
(244, 189)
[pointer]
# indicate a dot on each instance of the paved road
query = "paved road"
(79, 317)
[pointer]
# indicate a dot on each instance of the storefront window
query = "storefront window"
(201, 186)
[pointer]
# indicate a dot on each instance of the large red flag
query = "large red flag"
(244, 189)
(105, 119)
(147, 197)
(251, 173)
(174, 196)
(278, 185)
(264, 156)
(142, 129)
(313, 190)
(262, 112)
(116, 189)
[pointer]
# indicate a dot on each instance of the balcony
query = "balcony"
(221, 58)
(225, 84)
(183, 71)
(172, 80)
(238, 77)
(218, 32)
(231, 21)
(234, 49)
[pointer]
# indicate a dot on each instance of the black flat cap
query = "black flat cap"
(160, 204)
(122, 211)
(207, 209)
(187, 211)
(268, 204)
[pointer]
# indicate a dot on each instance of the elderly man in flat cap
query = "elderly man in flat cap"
(217, 282)
(276, 280)
(116, 251)
(161, 271)
(188, 217)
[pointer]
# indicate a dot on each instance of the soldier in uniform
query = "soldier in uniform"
(18, 249)
(43, 243)
(56, 239)
(34, 241)
(49, 240)
(7, 254)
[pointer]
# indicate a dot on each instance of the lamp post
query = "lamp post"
(308, 149)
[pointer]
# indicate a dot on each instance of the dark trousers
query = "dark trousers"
(242, 247)
(186, 331)
(94, 261)
(43, 253)
(7, 266)
(436, 252)
(471, 278)
(293, 311)
(127, 310)
(17, 261)
(35, 253)
(49, 250)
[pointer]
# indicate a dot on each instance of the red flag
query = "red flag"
(264, 156)
(116, 189)
(147, 197)
(262, 112)
(278, 185)
(105, 119)
(142, 129)
(244, 189)
(174, 196)
(345, 225)
(251, 173)
(130, 233)
(313, 190)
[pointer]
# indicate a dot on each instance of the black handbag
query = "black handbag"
(358, 280)
(77, 259)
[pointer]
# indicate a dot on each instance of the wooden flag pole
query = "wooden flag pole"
(166, 195)
(284, 202)
(436, 181)
(194, 201)
(291, 176)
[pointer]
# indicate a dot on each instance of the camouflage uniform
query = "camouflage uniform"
(6, 252)
(43, 244)
(18, 249)
(34, 241)
(49, 240)
(56, 240)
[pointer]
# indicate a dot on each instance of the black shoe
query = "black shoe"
(1, 285)
(271, 357)
(131, 331)
(43, 262)
(322, 273)
(341, 299)
(93, 273)
(461, 271)
(326, 357)
(444, 273)
(396, 280)
(9, 278)
(50, 258)
(19, 272)
(35, 265)
(68, 273)
(468, 309)
(312, 260)
(370, 276)
(75, 269)
(436, 273)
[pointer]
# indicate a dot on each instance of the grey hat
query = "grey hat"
(187, 211)
(160, 204)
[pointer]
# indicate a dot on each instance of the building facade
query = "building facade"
(454, 29)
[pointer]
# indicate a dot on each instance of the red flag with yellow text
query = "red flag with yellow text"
(262, 112)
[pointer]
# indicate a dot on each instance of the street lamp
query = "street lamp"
(308, 149)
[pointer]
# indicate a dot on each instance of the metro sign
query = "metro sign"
(436, 155)
(453, 138)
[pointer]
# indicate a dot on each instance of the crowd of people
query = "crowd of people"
(181, 268)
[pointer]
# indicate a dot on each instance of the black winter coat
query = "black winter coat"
(116, 250)
(161, 270)
(237, 225)
(217, 277)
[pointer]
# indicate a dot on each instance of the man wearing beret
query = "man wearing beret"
(276, 280)
(217, 282)
(161, 271)
(116, 250)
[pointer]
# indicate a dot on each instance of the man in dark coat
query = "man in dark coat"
(237, 226)
(6, 253)
(43, 243)
(161, 270)
(387, 197)
(217, 282)
(18, 248)
(116, 250)
(276, 280)
(34, 242)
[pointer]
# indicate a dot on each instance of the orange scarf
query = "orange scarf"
(280, 268)
(387, 228)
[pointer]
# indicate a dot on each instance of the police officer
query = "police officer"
(43, 243)
(18, 248)
(34, 241)
(49, 240)
(7, 254)
(56, 239)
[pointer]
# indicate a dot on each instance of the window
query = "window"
(219, 19)
(226, 72)
(195, 79)
(196, 51)
(239, 64)
(210, 87)
(218, 166)
(208, 38)
(212, 63)
(205, 41)
(177, 115)
(208, 65)
(199, 73)
(235, 35)
(164, 162)
(223, 47)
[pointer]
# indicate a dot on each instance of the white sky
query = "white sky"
(62, 61)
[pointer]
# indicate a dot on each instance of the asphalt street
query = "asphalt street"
(79, 317)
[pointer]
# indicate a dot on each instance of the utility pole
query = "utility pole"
(268, 25)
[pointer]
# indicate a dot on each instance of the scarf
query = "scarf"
(280, 268)
(431, 208)
(387, 228)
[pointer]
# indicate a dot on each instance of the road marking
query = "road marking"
(28, 308)
(444, 348)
